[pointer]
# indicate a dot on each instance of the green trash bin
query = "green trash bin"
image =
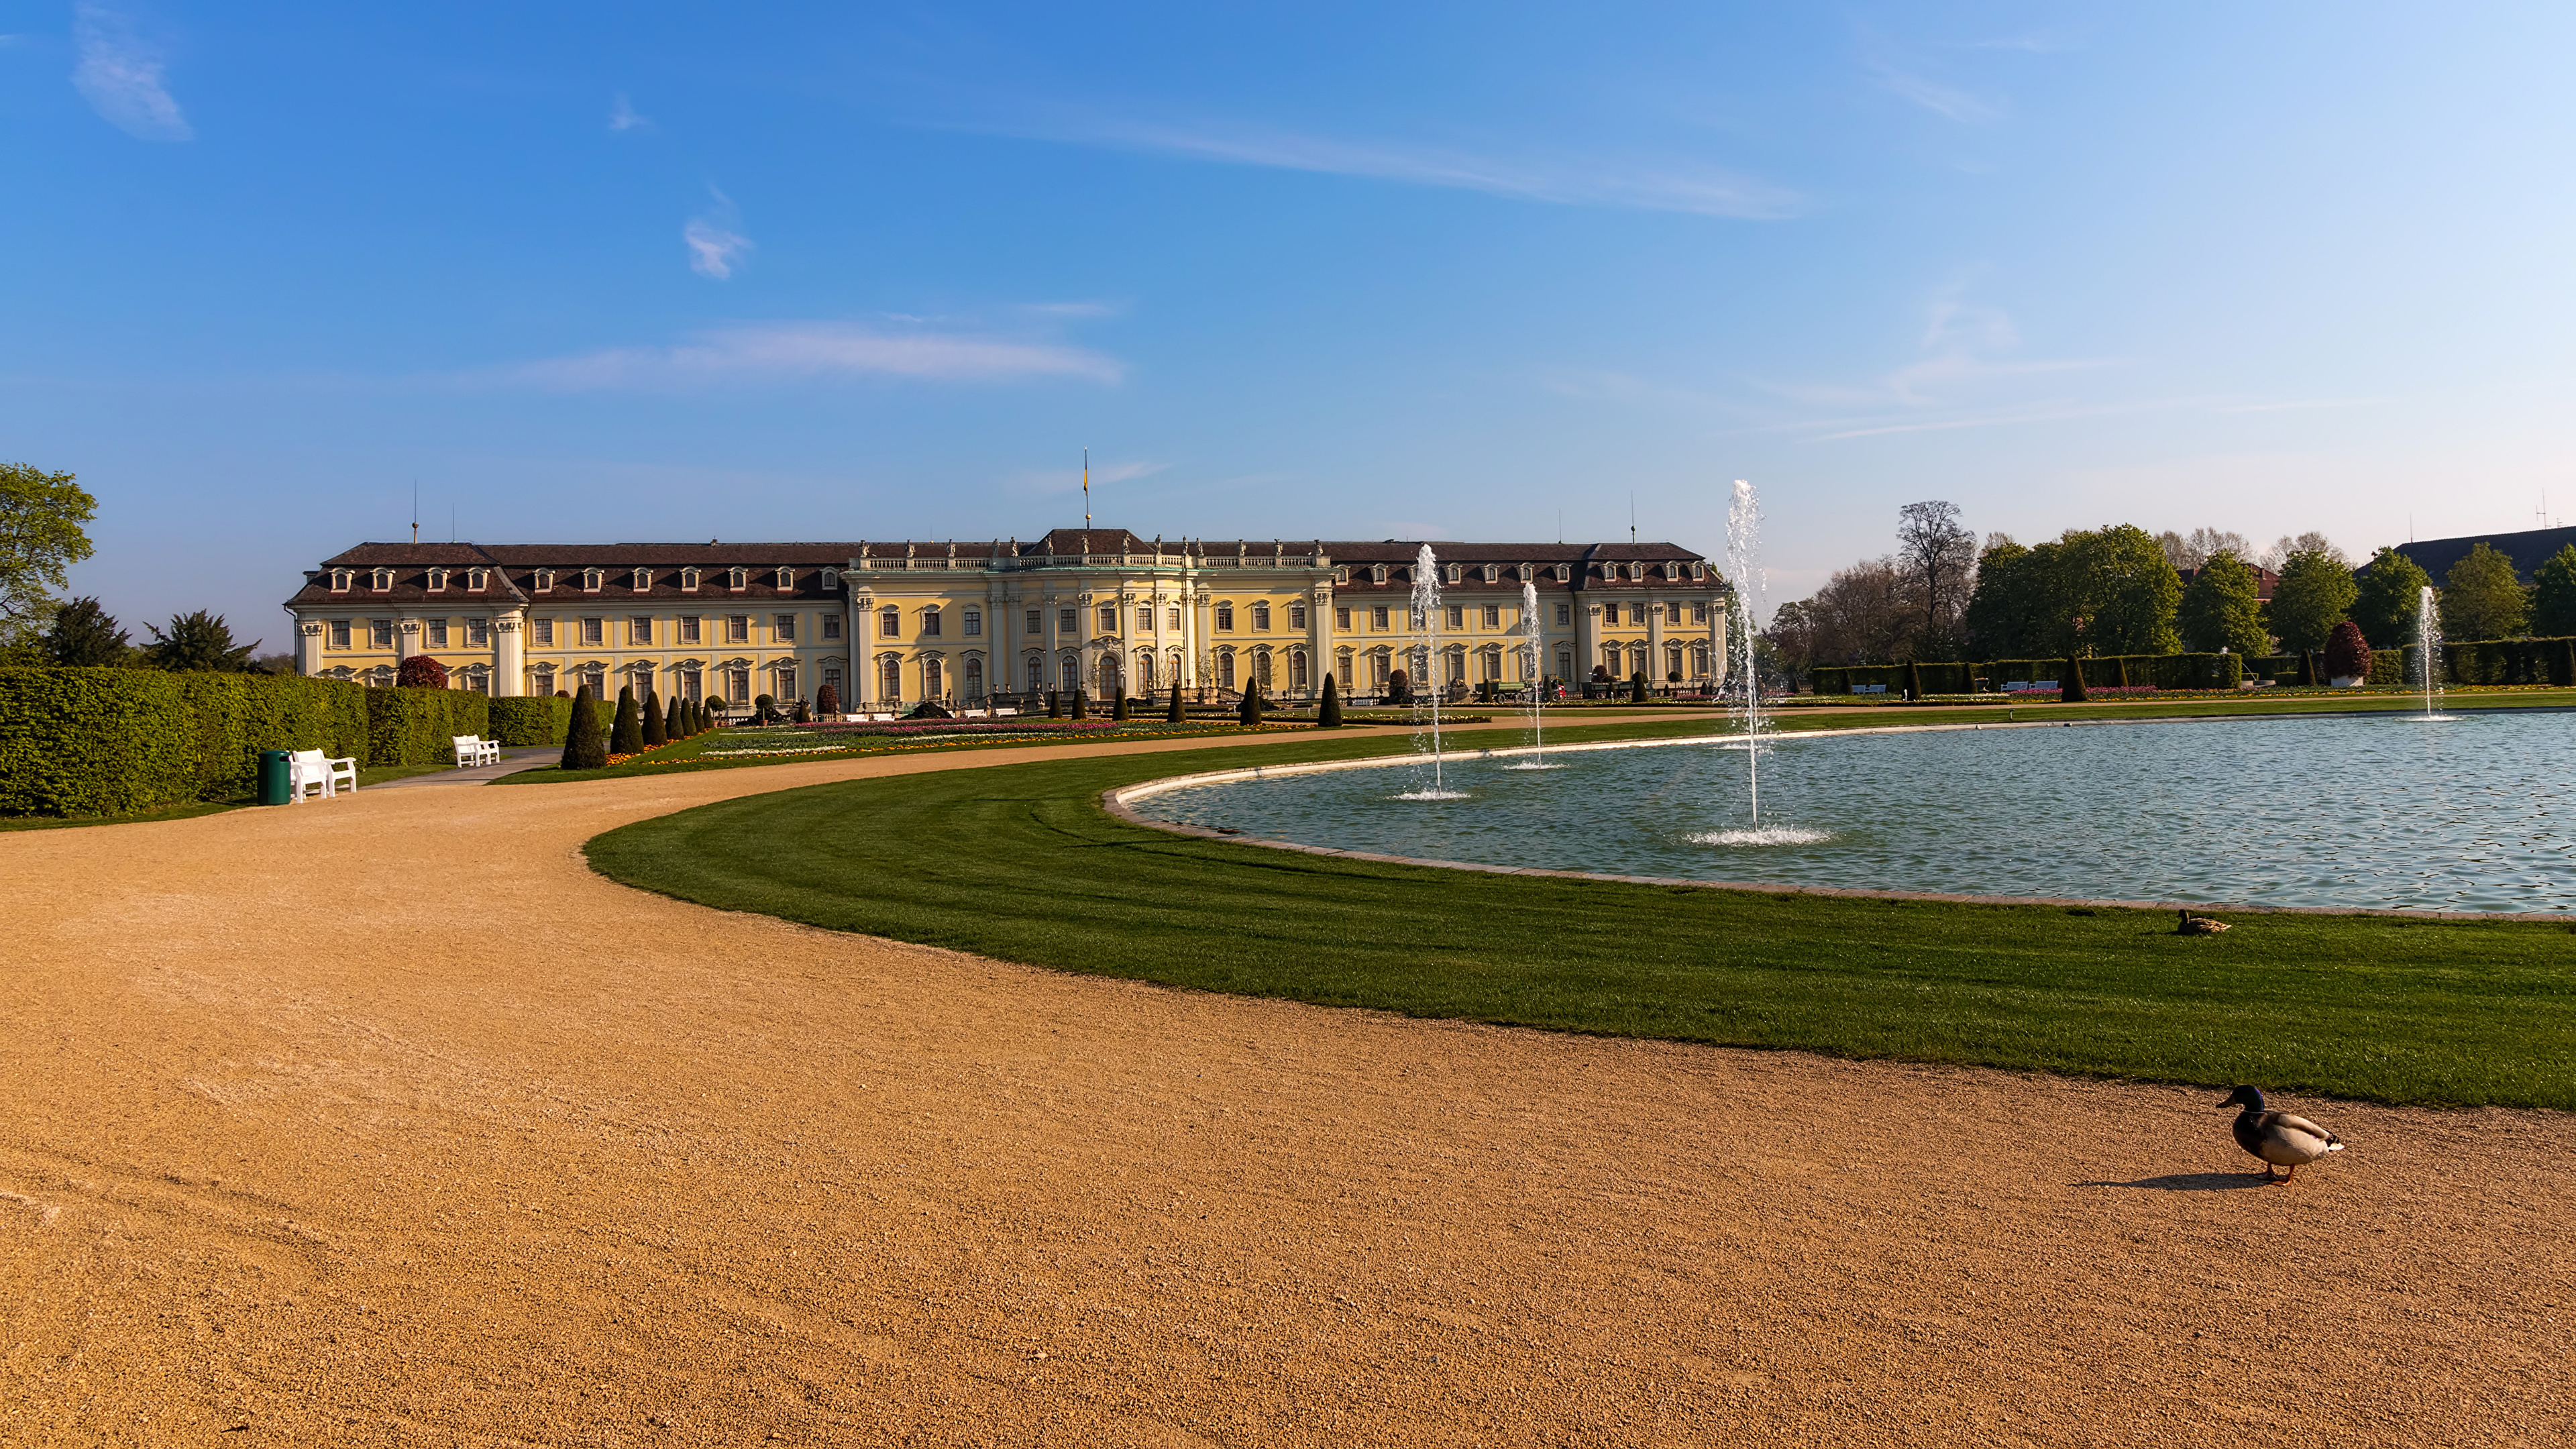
(274, 779)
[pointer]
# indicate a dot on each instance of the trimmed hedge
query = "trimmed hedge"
(238, 715)
(420, 726)
(531, 720)
(2164, 671)
(2509, 661)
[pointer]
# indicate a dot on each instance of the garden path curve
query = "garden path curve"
(386, 1121)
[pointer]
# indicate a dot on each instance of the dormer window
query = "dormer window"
(831, 579)
(1342, 575)
(1527, 574)
(544, 580)
(1377, 573)
(1564, 572)
(1492, 574)
(1456, 574)
(786, 578)
(688, 581)
(643, 580)
(477, 580)
(592, 579)
(741, 579)
(437, 581)
(341, 579)
(1699, 573)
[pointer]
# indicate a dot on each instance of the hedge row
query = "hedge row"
(2163, 671)
(531, 720)
(2508, 661)
(117, 741)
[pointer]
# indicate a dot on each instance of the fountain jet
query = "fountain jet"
(1743, 548)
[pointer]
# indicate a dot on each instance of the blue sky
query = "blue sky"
(591, 272)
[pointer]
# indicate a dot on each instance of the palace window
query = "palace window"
(478, 580)
(783, 628)
(1068, 621)
(930, 622)
(643, 580)
(1109, 618)
(1036, 620)
(1493, 616)
(1492, 573)
(737, 629)
(1225, 619)
(688, 581)
(592, 579)
(591, 631)
(1225, 669)
(1525, 572)
(786, 578)
(974, 623)
(692, 685)
(689, 632)
(832, 626)
(1456, 574)
(1699, 661)
(339, 633)
(1673, 614)
(1342, 575)
(1342, 667)
(1699, 613)
(1297, 669)
(1377, 617)
(1296, 616)
(832, 680)
(478, 633)
(1564, 615)
(438, 581)
(639, 629)
(1145, 619)
(544, 629)
(889, 680)
(831, 581)
(543, 579)
(1377, 669)
(1342, 620)
(1457, 617)
(1637, 614)
(1377, 573)
(740, 580)
(544, 674)
(738, 681)
(1564, 572)
(889, 623)
(1036, 673)
(787, 681)
(1261, 616)
(384, 581)
(438, 633)
(974, 679)
(340, 580)
(1176, 618)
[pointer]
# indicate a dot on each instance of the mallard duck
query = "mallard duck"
(2281, 1139)
(2198, 925)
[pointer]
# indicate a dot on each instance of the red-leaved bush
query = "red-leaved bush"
(421, 672)
(2347, 654)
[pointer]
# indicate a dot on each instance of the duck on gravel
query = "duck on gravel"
(2281, 1139)
(2197, 925)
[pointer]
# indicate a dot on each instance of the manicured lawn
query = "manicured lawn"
(1020, 862)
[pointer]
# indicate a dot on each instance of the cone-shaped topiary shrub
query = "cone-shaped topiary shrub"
(1176, 716)
(1055, 705)
(626, 734)
(1328, 713)
(1637, 687)
(1118, 705)
(675, 719)
(1081, 705)
(585, 744)
(2347, 655)
(655, 732)
(2071, 688)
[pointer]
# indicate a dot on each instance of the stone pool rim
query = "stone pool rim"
(1119, 802)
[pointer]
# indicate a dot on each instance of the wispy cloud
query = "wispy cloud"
(1568, 180)
(790, 351)
(1040, 482)
(622, 116)
(119, 72)
(715, 248)
(1909, 78)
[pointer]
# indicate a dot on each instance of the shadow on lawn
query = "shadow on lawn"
(2189, 1182)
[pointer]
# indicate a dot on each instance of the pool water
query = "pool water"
(2474, 813)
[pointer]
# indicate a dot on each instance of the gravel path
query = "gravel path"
(385, 1122)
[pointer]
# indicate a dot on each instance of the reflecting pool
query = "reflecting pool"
(2473, 813)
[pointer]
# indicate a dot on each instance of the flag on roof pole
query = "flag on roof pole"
(1086, 487)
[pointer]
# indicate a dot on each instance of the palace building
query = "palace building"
(1091, 610)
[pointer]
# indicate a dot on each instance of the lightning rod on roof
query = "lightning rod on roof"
(1086, 490)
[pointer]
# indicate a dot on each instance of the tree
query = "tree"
(2218, 610)
(2070, 688)
(655, 732)
(40, 536)
(2192, 551)
(1176, 716)
(199, 642)
(2483, 598)
(1637, 687)
(2277, 557)
(2316, 592)
(420, 672)
(1250, 711)
(2123, 591)
(83, 636)
(2347, 654)
(2391, 594)
(585, 743)
(2017, 595)
(1118, 703)
(1939, 559)
(1328, 710)
(2553, 594)
(626, 733)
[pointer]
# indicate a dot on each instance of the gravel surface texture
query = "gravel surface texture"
(384, 1121)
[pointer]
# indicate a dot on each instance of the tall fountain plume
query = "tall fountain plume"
(1532, 643)
(1426, 647)
(2428, 647)
(1743, 565)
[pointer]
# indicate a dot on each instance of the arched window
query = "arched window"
(1111, 683)
(1377, 573)
(643, 581)
(1342, 668)
(1225, 669)
(1069, 672)
(1297, 670)
(1035, 673)
(1261, 667)
(889, 680)
(1672, 661)
(1456, 575)
(933, 686)
(974, 678)
(1145, 670)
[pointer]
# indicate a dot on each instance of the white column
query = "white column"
(308, 646)
(508, 664)
(1655, 643)
(406, 640)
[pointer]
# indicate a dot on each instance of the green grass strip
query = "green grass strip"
(1021, 863)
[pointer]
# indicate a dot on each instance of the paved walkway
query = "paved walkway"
(513, 761)
(385, 1121)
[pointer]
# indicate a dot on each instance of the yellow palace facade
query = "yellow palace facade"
(1091, 610)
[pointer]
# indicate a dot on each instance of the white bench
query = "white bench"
(311, 769)
(474, 750)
